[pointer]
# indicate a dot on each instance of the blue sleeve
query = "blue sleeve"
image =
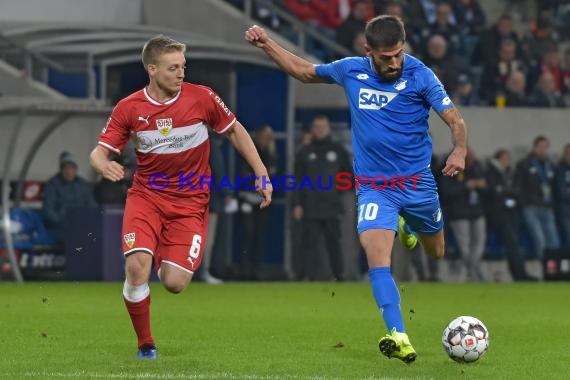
(333, 72)
(433, 92)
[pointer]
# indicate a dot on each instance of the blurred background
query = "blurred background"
(506, 65)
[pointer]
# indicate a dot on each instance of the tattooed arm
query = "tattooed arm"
(456, 160)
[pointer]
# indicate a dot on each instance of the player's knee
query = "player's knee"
(133, 269)
(175, 285)
(137, 269)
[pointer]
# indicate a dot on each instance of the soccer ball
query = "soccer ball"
(465, 339)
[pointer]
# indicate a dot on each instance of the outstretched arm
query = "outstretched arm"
(243, 143)
(456, 160)
(293, 65)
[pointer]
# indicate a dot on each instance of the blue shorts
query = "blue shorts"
(378, 208)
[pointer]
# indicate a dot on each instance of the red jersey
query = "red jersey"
(170, 138)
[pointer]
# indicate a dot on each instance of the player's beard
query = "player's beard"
(388, 75)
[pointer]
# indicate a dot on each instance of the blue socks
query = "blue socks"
(387, 297)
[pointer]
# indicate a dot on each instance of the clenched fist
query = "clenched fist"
(257, 36)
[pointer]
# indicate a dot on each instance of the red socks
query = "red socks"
(140, 316)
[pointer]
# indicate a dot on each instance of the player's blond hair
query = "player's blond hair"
(159, 45)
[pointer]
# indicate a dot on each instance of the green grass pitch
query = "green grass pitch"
(278, 331)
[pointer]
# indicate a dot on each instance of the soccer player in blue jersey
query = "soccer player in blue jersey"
(389, 94)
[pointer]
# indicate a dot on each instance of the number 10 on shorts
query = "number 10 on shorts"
(367, 211)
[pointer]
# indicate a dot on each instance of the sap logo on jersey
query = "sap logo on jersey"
(373, 99)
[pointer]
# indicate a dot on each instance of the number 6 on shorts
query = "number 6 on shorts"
(194, 252)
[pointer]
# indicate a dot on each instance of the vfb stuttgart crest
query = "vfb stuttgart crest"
(164, 126)
(129, 239)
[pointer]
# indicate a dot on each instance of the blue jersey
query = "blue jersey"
(389, 118)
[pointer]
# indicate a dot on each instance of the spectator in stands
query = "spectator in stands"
(471, 21)
(353, 25)
(563, 194)
(115, 193)
(470, 16)
(446, 65)
(545, 94)
(534, 181)
(421, 13)
(306, 138)
(487, 51)
(523, 10)
(464, 94)
(320, 208)
(494, 77)
(358, 44)
(515, 95)
(551, 62)
(378, 6)
(254, 219)
(395, 8)
(463, 208)
(543, 38)
(445, 25)
(503, 213)
(63, 191)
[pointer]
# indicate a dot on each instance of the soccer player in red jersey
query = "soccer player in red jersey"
(166, 212)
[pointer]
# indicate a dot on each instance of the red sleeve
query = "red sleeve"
(115, 134)
(218, 115)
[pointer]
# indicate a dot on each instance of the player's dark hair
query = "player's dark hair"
(384, 31)
(500, 153)
(159, 45)
(538, 140)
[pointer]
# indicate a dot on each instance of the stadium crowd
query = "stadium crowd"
(479, 63)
